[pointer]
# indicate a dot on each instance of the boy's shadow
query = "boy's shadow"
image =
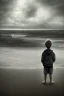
(48, 83)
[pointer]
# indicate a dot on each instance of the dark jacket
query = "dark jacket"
(48, 57)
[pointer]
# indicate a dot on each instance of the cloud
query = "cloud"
(27, 13)
(32, 13)
(57, 21)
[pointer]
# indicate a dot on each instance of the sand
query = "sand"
(21, 73)
(28, 82)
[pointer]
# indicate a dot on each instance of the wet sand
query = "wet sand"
(27, 58)
(28, 82)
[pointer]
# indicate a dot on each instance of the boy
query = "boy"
(47, 59)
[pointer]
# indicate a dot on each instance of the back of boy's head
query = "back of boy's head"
(48, 44)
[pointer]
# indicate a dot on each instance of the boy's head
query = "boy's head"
(48, 44)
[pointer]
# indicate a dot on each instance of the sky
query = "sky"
(32, 14)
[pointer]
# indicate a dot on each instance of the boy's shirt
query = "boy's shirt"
(48, 57)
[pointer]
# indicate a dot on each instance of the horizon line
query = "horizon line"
(13, 29)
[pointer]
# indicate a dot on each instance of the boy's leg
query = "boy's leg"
(51, 82)
(50, 75)
(45, 75)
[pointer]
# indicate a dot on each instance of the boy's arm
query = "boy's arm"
(42, 57)
(54, 57)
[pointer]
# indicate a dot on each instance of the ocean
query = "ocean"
(18, 50)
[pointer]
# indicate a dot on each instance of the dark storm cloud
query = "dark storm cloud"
(60, 9)
(57, 4)
(52, 2)
(31, 11)
(3, 9)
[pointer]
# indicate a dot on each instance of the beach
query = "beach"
(15, 82)
(21, 73)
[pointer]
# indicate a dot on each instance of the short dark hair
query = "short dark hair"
(48, 43)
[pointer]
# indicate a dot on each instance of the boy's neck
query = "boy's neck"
(48, 48)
